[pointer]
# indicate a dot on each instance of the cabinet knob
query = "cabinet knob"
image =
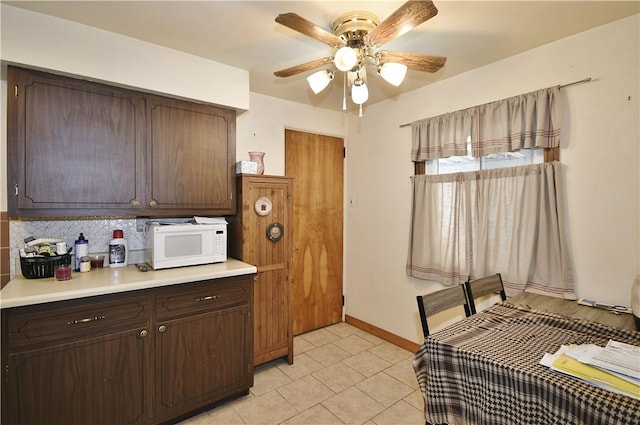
(143, 333)
(162, 328)
(135, 203)
(153, 203)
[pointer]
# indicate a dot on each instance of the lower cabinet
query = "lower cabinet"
(204, 345)
(144, 357)
(98, 381)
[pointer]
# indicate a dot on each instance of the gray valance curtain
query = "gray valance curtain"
(526, 121)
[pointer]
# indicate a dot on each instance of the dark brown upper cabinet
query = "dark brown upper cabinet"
(79, 148)
(191, 159)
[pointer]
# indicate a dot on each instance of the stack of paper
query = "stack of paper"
(615, 367)
(209, 220)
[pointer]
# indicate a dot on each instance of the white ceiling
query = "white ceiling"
(244, 34)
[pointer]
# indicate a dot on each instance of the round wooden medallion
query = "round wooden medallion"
(275, 231)
(263, 206)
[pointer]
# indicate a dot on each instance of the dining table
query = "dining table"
(485, 369)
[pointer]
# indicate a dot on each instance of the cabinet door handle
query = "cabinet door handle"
(135, 203)
(210, 297)
(143, 333)
(153, 203)
(162, 328)
(86, 320)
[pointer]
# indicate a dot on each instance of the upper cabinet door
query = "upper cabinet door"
(191, 156)
(77, 148)
(72, 145)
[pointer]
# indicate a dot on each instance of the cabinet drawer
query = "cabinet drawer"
(74, 320)
(209, 295)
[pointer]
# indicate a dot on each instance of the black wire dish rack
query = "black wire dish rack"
(42, 267)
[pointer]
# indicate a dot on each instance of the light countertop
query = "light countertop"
(21, 291)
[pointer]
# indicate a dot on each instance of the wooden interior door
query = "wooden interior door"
(316, 163)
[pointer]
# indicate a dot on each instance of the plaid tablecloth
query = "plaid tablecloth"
(485, 370)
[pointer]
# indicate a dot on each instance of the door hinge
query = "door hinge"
(344, 152)
(343, 301)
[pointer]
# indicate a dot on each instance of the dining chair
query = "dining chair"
(488, 285)
(439, 301)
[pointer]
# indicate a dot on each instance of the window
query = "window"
(505, 220)
(495, 212)
(459, 164)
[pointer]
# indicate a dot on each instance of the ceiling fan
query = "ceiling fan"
(356, 35)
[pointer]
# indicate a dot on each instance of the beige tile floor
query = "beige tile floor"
(340, 375)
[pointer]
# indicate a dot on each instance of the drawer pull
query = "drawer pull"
(210, 297)
(86, 320)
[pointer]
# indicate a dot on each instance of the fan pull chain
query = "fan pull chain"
(344, 93)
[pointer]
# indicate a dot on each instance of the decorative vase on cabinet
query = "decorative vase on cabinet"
(260, 234)
(258, 158)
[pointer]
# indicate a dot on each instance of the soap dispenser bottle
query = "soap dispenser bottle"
(118, 250)
(81, 248)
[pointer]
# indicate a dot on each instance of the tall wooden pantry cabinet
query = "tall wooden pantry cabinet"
(260, 234)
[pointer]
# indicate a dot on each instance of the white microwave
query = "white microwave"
(178, 245)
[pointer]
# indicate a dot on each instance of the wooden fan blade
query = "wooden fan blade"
(408, 16)
(424, 63)
(308, 28)
(302, 67)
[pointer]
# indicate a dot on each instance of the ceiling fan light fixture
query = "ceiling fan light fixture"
(392, 72)
(359, 92)
(318, 81)
(357, 35)
(346, 58)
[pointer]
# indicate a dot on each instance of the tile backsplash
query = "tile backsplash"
(5, 263)
(98, 232)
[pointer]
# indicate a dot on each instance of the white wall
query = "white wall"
(599, 149)
(41, 41)
(262, 128)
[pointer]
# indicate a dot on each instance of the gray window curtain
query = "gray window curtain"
(507, 220)
(526, 121)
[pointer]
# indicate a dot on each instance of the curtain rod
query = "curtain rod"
(585, 80)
